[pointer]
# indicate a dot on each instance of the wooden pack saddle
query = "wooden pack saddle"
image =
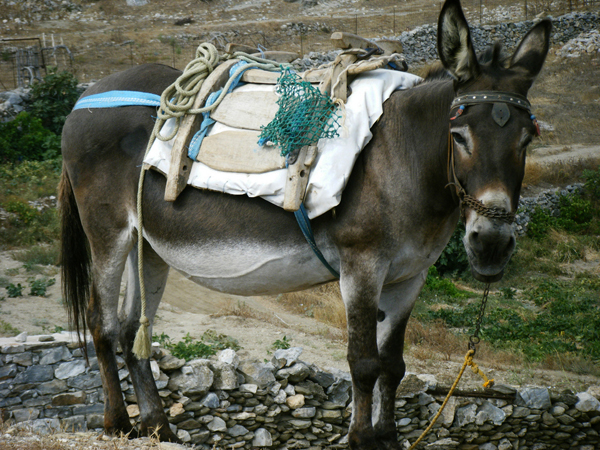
(235, 151)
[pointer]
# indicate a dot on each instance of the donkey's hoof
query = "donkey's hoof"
(388, 441)
(124, 429)
(162, 433)
(363, 441)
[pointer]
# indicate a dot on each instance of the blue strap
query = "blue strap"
(196, 142)
(114, 99)
(304, 222)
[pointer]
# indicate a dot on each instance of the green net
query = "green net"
(305, 115)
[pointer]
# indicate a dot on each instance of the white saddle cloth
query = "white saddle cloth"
(335, 157)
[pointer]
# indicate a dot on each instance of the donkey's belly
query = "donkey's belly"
(243, 268)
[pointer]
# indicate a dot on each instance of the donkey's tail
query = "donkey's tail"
(75, 259)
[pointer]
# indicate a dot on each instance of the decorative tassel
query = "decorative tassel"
(459, 112)
(141, 344)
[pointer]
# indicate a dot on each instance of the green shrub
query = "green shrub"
(566, 320)
(453, 259)
(14, 291)
(441, 288)
(281, 344)
(592, 183)
(53, 99)
(40, 286)
(26, 139)
(576, 214)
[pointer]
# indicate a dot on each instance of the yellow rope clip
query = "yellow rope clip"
(475, 368)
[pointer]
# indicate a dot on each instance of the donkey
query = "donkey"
(437, 145)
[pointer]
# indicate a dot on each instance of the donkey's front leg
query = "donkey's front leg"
(395, 305)
(361, 286)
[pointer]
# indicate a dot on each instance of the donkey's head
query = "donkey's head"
(491, 125)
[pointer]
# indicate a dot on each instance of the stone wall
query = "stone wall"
(45, 385)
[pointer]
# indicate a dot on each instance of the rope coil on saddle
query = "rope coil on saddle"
(175, 102)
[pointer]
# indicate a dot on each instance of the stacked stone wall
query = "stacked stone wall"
(46, 385)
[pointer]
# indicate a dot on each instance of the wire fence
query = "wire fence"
(123, 48)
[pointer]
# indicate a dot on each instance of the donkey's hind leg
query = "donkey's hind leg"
(153, 418)
(109, 258)
(395, 304)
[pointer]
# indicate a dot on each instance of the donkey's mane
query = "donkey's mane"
(493, 56)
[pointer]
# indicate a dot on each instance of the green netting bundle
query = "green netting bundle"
(305, 115)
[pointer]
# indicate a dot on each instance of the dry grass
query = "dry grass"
(566, 96)
(558, 172)
(323, 303)
(16, 438)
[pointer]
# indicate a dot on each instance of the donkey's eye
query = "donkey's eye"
(459, 139)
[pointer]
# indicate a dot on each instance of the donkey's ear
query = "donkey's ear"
(531, 52)
(454, 43)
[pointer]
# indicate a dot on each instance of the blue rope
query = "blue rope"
(304, 223)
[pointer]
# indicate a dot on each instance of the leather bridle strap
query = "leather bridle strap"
(492, 97)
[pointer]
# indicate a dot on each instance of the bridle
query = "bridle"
(500, 114)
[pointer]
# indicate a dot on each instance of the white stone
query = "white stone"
(248, 388)
(466, 415)
(155, 370)
(237, 430)
(184, 436)
(70, 369)
(280, 397)
(287, 357)
(21, 337)
(262, 438)
(217, 424)
(290, 390)
(587, 402)
(229, 356)
(534, 398)
(490, 413)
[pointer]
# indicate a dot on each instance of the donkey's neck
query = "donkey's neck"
(417, 120)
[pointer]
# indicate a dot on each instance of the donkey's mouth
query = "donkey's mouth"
(487, 278)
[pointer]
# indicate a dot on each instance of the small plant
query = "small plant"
(189, 348)
(14, 291)
(592, 183)
(6, 329)
(40, 286)
(508, 293)
(281, 344)
(453, 259)
(44, 255)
